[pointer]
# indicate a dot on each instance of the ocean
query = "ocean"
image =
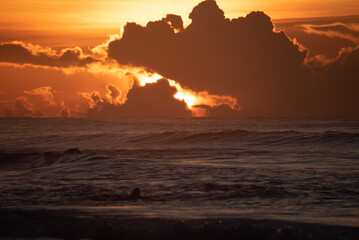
(76, 169)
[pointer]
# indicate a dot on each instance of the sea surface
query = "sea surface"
(304, 170)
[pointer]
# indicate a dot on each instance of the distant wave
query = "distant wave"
(273, 137)
(197, 140)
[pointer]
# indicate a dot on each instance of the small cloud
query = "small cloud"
(22, 53)
(94, 98)
(45, 92)
(64, 112)
(114, 94)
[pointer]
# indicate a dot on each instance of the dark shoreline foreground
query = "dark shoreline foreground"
(54, 224)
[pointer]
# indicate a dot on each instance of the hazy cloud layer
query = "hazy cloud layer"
(23, 108)
(342, 30)
(50, 89)
(322, 36)
(270, 74)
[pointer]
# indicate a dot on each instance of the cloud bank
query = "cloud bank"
(268, 73)
(214, 67)
(22, 108)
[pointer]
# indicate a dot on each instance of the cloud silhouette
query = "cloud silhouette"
(215, 58)
(351, 65)
(241, 57)
(21, 53)
(244, 57)
(152, 100)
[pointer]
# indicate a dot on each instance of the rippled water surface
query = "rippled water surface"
(289, 169)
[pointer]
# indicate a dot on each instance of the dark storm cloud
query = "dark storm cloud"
(243, 57)
(336, 84)
(152, 100)
(351, 65)
(344, 66)
(29, 54)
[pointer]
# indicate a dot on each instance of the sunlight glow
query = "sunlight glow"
(145, 78)
(184, 95)
(191, 98)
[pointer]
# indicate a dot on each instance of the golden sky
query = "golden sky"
(96, 18)
(54, 56)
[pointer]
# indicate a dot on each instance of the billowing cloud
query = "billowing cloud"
(21, 53)
(241, 57)
(94, 98)
(114, 94)
(45, 92)
(245, 58)
(152, 100)
(216, 67)
(38, 57)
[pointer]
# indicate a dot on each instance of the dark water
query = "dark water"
(287, 169)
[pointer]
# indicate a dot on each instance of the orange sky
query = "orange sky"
(72, 19)
(49, 73)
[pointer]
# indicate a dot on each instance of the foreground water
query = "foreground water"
(304, 170)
